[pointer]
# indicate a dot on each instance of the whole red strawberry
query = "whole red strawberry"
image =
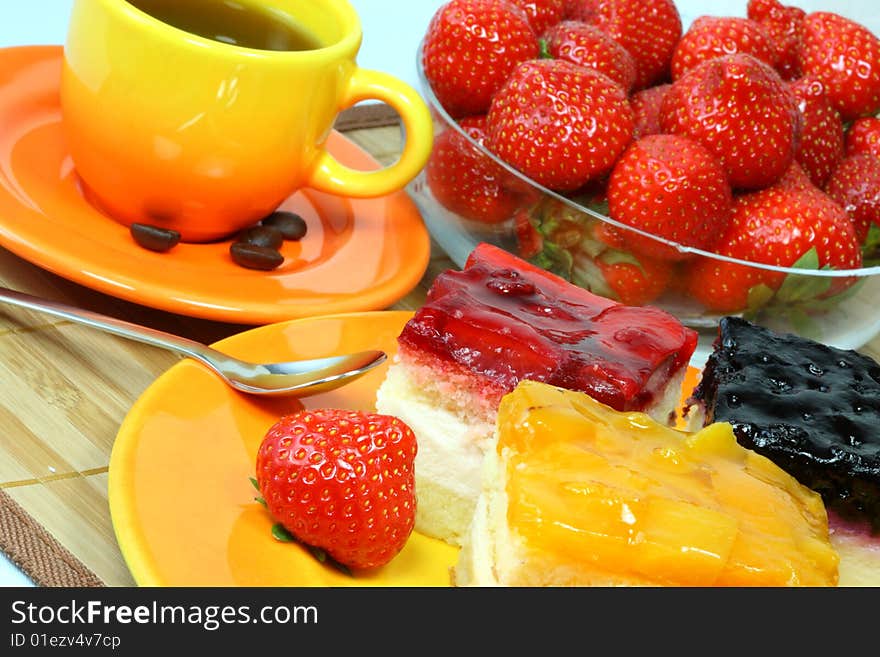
(742, 111)
(783, 24)
(529, 241)
(342, 481)
(863, 136)
(586, 45)
(468, 182)
(778, 226)
(796, 178)
(582, 10)
(821, 144)
(648, 29)
(845, 55)
(855, 185)
(646, 108)
(559, 123)
(634, 281)
(542, 13)
(469, 49)
(672, 187)
(714, 36)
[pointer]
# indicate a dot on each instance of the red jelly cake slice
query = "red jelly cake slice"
(499, 321)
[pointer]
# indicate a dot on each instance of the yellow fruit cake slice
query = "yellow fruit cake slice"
(578, 494)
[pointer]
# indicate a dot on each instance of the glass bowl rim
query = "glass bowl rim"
(437, 108)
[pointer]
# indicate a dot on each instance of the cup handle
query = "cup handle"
(329, 175)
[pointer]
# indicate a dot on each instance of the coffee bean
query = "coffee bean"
(252, 256)
(154, 238)
(266, 236)
(292, 226)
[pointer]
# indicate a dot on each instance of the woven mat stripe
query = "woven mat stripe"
(372, 115)
(33, 549)
(27, 543)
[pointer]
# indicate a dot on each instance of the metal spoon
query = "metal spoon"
(298, 377)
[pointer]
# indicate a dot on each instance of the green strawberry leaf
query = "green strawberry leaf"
(587, 275)
(871, 247)
(796, 288)
(803, 324)
(800, 297)
(544, 49)
(824, 305)
(758, 298)
(555, 259)
(617, 257)
(280, 533)
(258, 498)
(596, 203)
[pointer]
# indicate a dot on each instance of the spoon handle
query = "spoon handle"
(105, 323)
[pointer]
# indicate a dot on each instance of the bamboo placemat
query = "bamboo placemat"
(75, 385)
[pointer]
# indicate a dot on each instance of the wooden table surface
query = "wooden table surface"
(66, 389)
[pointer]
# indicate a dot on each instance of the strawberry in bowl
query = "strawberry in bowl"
(699, 159)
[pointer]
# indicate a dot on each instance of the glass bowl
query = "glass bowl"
(572, 236)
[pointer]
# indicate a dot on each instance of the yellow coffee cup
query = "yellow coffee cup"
(199, 134)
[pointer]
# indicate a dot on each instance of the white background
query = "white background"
(392, 30)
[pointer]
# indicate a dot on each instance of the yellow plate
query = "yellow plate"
(181, 501)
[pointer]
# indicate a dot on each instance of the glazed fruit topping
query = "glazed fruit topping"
(508, 320)
(811, 408)
(624, 497)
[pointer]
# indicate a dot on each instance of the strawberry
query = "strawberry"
(863, 136)
(821, 144)
(529, 241)
(581, 10)
(632, 281)
(646, 107)
(648, 29)
(342, 481)
(586, 45)
(742, 111)
(713, 36)
(845, 55)
(559, 123)
(672, 187)
(469, 183)
(796, 178)
(783, 227)
(542, 14)
(855, 185)
(783, 25)
(469, 49)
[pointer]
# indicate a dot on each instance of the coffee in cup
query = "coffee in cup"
(203, 116)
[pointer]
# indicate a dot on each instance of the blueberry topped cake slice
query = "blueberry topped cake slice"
(811, 408)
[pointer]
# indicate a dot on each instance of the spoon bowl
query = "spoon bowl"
(297, 378)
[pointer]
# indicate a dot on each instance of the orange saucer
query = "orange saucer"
(357, 255)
